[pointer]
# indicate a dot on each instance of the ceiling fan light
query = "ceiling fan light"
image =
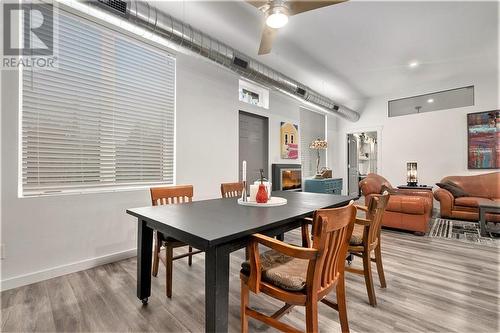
(277, 20)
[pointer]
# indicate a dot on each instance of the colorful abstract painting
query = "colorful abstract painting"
(289, 141)
(483, 129)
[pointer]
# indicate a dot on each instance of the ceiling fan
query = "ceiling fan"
(277, 13)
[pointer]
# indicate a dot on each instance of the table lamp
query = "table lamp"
(318, 145)
(411, 174)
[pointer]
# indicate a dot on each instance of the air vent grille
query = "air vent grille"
(301, 91)
(240, 62)
(117, 5)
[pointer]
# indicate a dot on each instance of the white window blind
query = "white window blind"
(104, 118)
(312, 127)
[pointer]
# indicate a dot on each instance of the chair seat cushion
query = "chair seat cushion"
(357, 235)
(281, 270)
(471, 201)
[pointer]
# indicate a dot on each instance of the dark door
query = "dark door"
(352, 165)
(253, 132)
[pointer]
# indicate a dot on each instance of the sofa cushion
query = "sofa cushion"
(484, 185)
(281, 270)
(471, 201)
(453, 188)
(406, 204)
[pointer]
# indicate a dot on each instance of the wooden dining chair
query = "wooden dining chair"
(167, 196)
(300, 275)
(231, 190)
(365, 239)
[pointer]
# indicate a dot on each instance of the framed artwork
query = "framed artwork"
(483, 135)
(289, 141)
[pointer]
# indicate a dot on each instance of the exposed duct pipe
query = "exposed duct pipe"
(182, 34)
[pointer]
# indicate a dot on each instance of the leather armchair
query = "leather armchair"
(483, 188)
(407, 209)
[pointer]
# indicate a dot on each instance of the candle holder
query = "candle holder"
(411, 174)
(244, 196)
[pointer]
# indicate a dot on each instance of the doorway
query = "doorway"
(361, 158)
(253, 145)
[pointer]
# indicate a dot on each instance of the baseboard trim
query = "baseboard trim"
(23, 280)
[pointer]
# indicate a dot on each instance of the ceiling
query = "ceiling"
(356, 50)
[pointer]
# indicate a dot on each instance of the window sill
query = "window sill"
(125, 188)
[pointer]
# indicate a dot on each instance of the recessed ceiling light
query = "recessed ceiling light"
(413, 64)
(430, 100)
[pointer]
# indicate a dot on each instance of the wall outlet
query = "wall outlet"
(2, 251)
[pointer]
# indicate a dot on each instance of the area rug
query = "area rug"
(462, 231)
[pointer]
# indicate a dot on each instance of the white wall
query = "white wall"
(49, 236)
(436, 140)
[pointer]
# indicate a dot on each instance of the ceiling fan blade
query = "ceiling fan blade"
(257, 3)
(300, 6)
(266, 42)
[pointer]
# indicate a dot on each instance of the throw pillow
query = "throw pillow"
(454, 189)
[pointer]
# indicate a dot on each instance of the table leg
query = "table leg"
(281, 237)
(216, 289)
(144, 256)
(482, 222)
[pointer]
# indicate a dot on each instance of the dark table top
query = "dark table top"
(217, 221)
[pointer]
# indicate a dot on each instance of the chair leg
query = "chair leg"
(380, 266)
(168, 263)
(156, 255)
(367, 269)
(312, 316)
(244, 305)
(190, 258)
(341, 303)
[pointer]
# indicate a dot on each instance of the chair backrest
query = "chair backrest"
(332, 229)
(171, 195)
(376, 211)
(231, 190)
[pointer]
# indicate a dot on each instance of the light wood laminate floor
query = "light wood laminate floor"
(433, 286)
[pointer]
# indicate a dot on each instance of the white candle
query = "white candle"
(244, 171)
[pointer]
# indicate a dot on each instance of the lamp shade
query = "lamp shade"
(411, 174)
(318, 144)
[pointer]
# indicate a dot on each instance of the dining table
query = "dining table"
(219, 227)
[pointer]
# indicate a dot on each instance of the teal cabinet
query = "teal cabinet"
(328, 185)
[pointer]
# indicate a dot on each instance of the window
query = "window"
(104, 118)
(253, 94)
(312, 127)
(441, 100)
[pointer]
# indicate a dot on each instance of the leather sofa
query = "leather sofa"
(483, 188)
(407, 209)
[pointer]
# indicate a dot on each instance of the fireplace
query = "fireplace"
(287, 177)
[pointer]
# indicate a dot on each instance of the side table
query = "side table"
(418, 187)
(493, 207)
